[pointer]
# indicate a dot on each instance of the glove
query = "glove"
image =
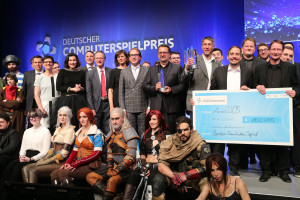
(193, 174)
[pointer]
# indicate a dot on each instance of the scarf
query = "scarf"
(174, 150)
(11, 92)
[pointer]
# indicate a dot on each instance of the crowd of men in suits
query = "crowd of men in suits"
(168, 87)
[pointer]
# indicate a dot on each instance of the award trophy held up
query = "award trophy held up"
(161, 79)
(191, 53)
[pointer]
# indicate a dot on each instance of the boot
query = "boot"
(108, 195)
(99, 187)
(129, 192)
(160, 197)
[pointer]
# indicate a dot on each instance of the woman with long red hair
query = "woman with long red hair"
(87, 149)
(156, 131)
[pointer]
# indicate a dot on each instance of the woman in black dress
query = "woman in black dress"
(71, 83)
(121, 62)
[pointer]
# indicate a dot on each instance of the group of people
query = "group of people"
(97, 108)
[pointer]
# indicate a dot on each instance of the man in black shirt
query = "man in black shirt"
(276, 74)
(168, 100)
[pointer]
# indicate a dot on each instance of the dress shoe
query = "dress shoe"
(297, 171)
(264, 177)
(285, 178)
(234, 173)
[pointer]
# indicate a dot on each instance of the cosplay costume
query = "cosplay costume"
(146, 147)
(13, 107)
(185, 159)
(121, 153)
(62, 140)
(85, 151)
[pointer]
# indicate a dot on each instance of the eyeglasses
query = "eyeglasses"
(263, 50)
(134, 55)
(34, 117)
(180, 131)
(48, 62)
(163, 53)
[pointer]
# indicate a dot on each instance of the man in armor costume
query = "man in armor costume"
(122, 143)
(181, 160)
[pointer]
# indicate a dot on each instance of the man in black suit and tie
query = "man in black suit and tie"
(232, 77)
(96, 91)
(132, 98)
(90, 61)
(28, 83)
(165, 93)
(276, 74)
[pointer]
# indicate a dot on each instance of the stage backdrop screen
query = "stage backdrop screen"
(59, 27)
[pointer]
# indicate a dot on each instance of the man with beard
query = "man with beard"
(232, 77)
(12, 63)
(164, 93)
(276, 74)
(263, 51)
(181, 160)
(122, 143)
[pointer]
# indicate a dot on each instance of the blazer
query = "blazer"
(219, 79)
(171, 101)
(256, 61)
(10, 143)
(132, 97)
(93, 87)
(28, 87)
(288, 76)
(198, 80)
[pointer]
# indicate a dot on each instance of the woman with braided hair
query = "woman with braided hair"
(62, 141)
(87, 148)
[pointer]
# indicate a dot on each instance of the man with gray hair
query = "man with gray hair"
(122, 143)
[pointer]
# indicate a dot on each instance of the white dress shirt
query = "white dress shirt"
(233, 78)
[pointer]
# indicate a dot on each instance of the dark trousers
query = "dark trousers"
(235, 152)
(137, 121)
(217, 148)
(102, 117)
(4, 161)
(170, 119)
(295, 150)
(282, 158)
(13, 171)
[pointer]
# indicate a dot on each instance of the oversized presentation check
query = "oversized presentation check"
(244, 117)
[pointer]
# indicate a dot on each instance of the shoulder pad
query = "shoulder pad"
(130, 133)
(205, 151)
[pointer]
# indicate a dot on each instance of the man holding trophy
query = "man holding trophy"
(164, 87)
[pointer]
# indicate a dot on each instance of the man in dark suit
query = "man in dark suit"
(168, 100)
(295, 150)
(132, 98)
(276, 74)
(249, 60)
(90, 61)
(232, 77)
(28, 83)
(96, 91)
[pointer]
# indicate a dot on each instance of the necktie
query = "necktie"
(103, 86)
